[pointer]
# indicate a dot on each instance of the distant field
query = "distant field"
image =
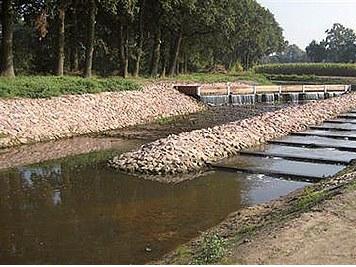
(317, 69)
(309, 79)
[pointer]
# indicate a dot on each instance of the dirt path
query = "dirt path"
(324, 235)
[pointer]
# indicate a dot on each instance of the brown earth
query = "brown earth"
(324, 235)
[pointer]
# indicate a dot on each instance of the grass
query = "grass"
(218, 77)
(310, 198)
(47, 86)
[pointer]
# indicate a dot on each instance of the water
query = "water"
(215, 100)
(218, 100)
(75, 210)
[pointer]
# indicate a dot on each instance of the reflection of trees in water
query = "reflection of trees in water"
(92, 214)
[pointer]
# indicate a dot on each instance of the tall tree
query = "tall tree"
(90, 39)
(139, 43)
(7, 22)
(61, 38)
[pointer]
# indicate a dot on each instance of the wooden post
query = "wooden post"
(198, 90)
(303, 88)
(228, 89)
(325, 88)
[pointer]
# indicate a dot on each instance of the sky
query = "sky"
(307, 20)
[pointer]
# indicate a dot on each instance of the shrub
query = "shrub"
(318, 69)
(212, 249)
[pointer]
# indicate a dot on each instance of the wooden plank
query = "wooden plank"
(313, 145)
(241, 90)
(325, 128)
(304, 178)
(296, 158)
(292, 88)
(314, 88)
(267, 89)
(340, 121)
(327, 135)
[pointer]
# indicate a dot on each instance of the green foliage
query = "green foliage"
(338, 46)
(211, 250)
(310, 198)
(165, 120)
(290, 54)
(319, 69)
(47, 86)
(310, 79)
(236, 68)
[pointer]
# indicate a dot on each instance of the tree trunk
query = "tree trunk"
(90, 41)
(140, 40)
(61, 40)
(124, 50)
(186, 64)
(156, 53)
(7, 64)
(174, 53)
(74, 64)
(164, 60)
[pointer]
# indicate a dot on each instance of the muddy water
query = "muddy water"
(75, 210)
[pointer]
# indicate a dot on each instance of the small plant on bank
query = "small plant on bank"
(165, 120)
(310, 198)
(212, 249)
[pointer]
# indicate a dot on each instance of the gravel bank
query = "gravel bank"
(191, 151)
(33, 120)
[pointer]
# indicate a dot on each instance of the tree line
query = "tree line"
(339, 46)
(133, 37)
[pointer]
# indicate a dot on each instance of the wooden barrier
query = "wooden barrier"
(227, 89)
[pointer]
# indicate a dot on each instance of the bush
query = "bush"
(211, 251)
(318, 69)
(47, 86)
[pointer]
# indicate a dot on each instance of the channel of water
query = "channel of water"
(75, 210)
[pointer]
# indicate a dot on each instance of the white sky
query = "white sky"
(305, 20)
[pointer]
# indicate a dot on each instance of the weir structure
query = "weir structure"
(239, 94)
(311, 156)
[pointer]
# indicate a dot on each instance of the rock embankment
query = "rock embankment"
(191, 151)
(33, 120)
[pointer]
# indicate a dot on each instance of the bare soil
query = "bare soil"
(324, 235)
(314, 225)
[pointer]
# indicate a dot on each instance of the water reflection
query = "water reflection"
(76, 211)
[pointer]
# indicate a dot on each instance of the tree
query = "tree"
(90, 39)
(316, 52)
(61, 37)
(7, 22)
(291, 54)
(338, 46)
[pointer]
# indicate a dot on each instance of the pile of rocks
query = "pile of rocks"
(191, 151)
(33, 120)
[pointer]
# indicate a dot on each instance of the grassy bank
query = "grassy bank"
(47, 86)
(219, 77)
